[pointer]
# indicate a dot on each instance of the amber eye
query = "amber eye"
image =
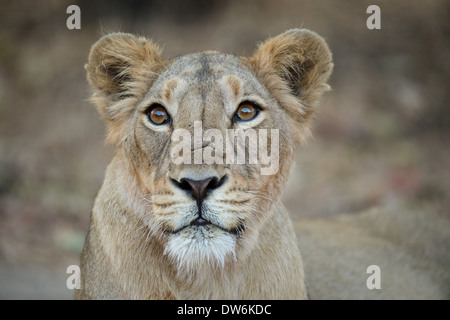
(246, 112)
(157, 114)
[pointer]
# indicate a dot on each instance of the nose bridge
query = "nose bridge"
(203, 102)
(190, 109)
(200, 121)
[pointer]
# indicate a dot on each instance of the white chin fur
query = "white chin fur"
(193, 247)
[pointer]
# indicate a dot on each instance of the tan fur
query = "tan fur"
(140, 244)
(409, 246)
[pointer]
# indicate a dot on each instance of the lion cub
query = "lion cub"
(168, 224)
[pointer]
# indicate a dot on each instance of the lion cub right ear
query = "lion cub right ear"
(120, 69)
(295, 67)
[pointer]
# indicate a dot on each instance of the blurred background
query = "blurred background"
(381, 137)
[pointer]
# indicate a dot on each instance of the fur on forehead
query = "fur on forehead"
(210, 73)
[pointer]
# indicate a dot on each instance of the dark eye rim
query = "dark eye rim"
(253, 104)
(167, 120)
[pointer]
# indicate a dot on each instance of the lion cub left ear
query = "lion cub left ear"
(120, 69)
(295, 64)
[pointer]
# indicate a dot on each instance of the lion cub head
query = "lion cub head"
(210, 137)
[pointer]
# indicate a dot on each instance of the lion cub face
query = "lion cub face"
(210, 136)
(203, 201)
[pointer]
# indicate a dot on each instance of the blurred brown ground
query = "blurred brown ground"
(380, 138)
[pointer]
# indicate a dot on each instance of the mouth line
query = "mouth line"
(236, 231)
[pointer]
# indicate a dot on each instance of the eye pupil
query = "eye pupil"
(158, 115)
(246, 112)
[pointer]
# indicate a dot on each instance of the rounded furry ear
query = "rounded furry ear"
(118, 59)
(297, 61)
(120, 69)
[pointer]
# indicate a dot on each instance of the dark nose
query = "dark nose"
(199, 189)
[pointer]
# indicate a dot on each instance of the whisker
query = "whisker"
(143, 197)
(258, 193)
